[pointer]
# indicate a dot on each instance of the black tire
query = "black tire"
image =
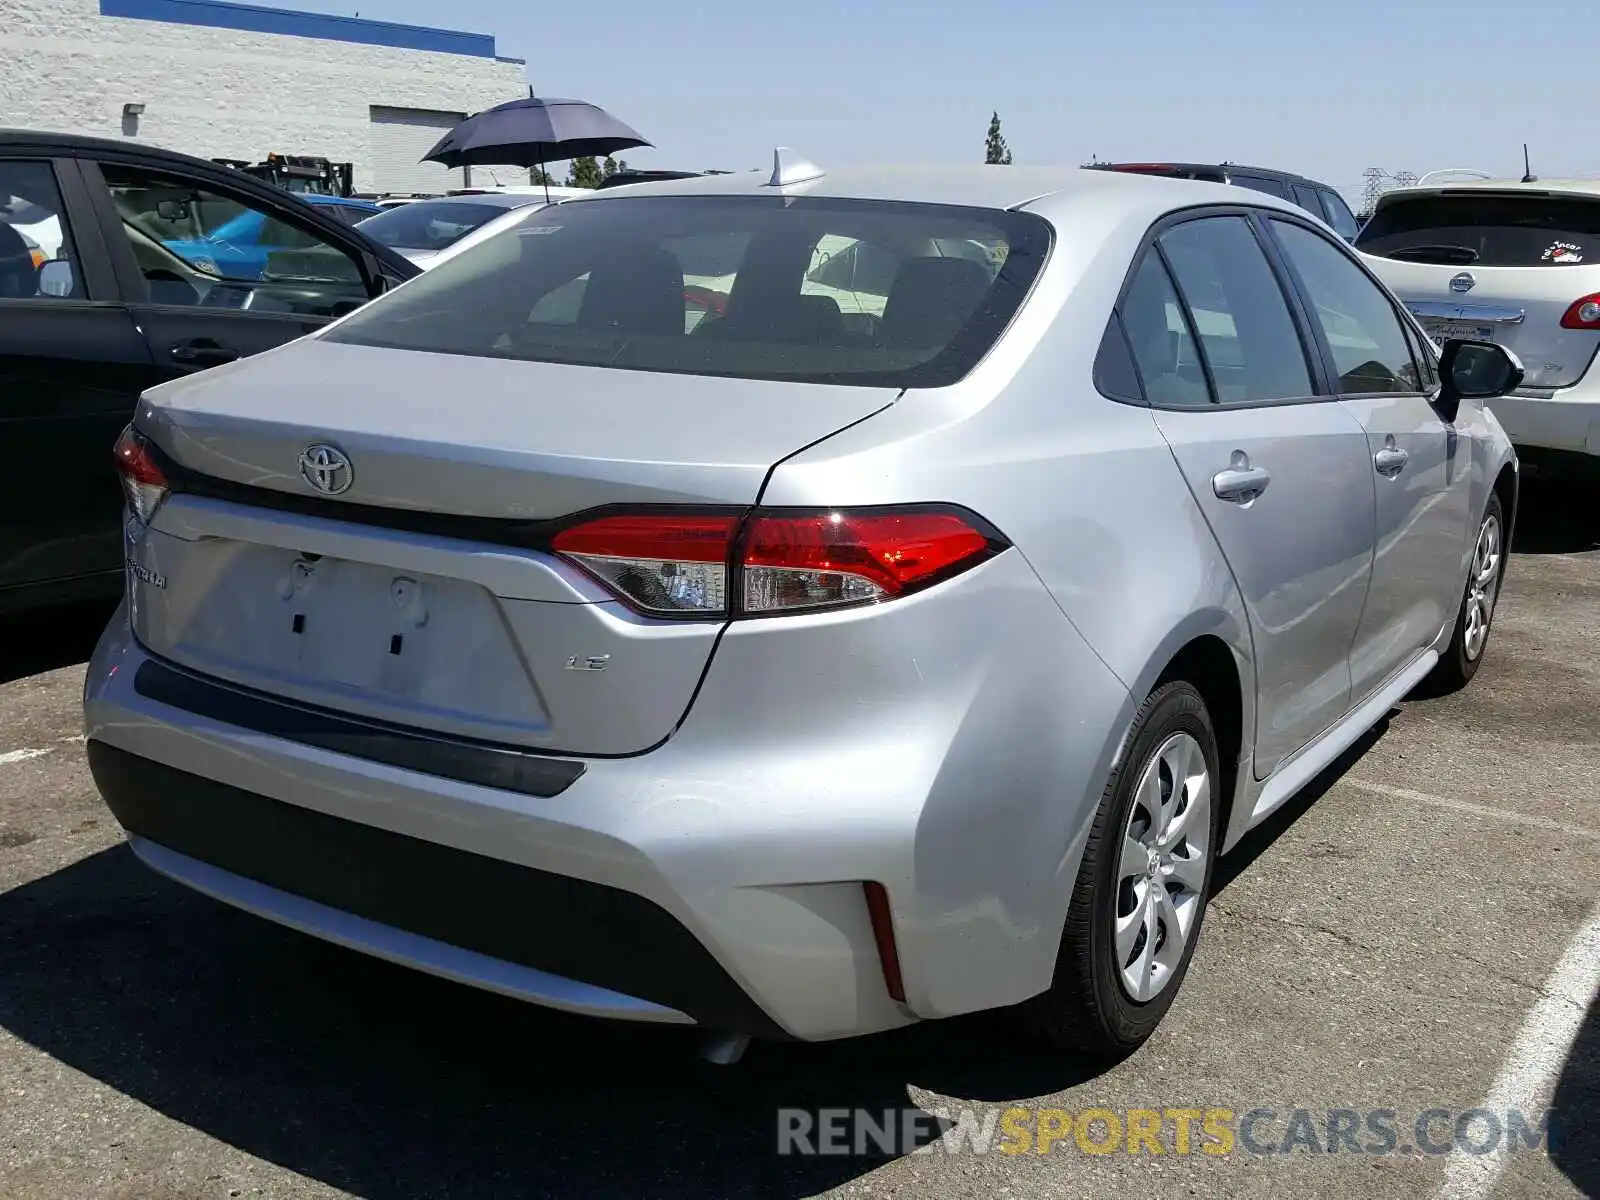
(1458, 664)
(1087, 1008)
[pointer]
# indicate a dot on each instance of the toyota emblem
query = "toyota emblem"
(1463, 282)
(326, 468)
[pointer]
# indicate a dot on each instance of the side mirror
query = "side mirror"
(56, 278)
(1474, 371)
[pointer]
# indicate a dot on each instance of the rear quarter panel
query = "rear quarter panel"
(1087, 491)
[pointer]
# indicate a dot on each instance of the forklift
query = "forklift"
(304, 174)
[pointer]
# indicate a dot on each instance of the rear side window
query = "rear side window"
(1486, 228)
(1240, 315)
(1160, 340)
(1260, 183)
(1339, 215)
(807, 289)
(1306, 198)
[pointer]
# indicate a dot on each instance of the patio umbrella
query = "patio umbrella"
(533, 132)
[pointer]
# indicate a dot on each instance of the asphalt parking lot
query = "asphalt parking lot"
(1387, 943)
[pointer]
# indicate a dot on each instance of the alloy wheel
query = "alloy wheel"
(1483, 587)
(1161, 873)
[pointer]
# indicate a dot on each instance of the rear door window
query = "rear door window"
(808, 289)
(38, 260)
(1260, 183)
(1241, 318)
(1338, 214)
(1486, 228)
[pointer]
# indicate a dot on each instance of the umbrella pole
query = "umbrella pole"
(545, 175)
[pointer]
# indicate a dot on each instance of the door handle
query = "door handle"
(1390, 461)
(1240, 485)
(202, 352)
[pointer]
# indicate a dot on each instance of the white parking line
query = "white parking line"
(1534, 1063)
(16, 756)
(1477, 810)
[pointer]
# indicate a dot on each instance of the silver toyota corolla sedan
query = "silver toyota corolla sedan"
(799, 606)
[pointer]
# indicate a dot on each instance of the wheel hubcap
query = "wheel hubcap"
(1483, 588)
(1161, 874)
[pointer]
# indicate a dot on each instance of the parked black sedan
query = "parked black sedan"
(120, 267)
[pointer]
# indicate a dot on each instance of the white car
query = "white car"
(424, 229)
(1513, 263)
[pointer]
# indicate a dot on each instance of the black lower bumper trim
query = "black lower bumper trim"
(483, 763)
(585, 931)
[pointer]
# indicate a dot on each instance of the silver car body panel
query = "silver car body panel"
(952, 745)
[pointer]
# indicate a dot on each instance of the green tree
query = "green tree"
(584, 172)
(995, 150)
(611, 166)
(538, 175)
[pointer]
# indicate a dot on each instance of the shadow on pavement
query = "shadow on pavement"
(384, 1082)
(1575, 1145)
(1239, 860)
(1558, 514)
(32, 643)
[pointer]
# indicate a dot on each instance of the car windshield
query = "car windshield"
(796, 288)
(428, 224)
(1487, 229)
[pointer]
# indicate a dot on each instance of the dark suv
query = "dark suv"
(1318, 199)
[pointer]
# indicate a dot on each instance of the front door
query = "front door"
(1419, 467)
(222, 275)
(1280, 473)
(71, 367)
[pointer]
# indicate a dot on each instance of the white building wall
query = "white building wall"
(221, 93)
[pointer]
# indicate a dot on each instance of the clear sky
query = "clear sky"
(1323, 89)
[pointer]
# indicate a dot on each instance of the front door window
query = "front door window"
(197, 246)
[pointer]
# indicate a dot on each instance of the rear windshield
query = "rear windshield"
(428, 225)
(1487, 229)
(808, 289)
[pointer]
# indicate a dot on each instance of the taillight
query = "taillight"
(719, 564)
(827, 559)
(665, 564)
(1584, 313)
(143, 482)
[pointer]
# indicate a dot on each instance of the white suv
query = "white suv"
(1513, 263)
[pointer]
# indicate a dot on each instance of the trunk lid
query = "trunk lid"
(490, 437)
(371, 602)
(1501, 265)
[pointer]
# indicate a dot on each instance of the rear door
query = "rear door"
(1420, 468)
(1495, 265)
(1279, 469)
(71, 367)
(200, 299)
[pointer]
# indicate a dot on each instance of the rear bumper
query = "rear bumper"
(952, 748)
(1566, 419)
(511, 929)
